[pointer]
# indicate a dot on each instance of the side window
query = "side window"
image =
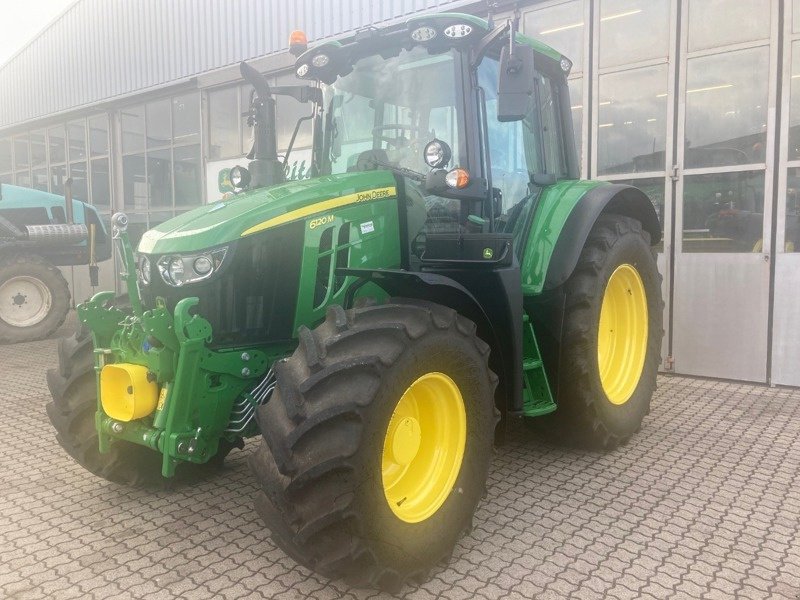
(513, 146)
(552, 135)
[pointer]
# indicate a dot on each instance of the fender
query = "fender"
(565, 216)
(491, 299)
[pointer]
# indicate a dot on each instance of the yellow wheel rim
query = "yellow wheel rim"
(622, 335)
(424, 447)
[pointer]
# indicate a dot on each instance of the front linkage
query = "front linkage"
(159, 385)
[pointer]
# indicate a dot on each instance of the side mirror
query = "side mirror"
(515, 85)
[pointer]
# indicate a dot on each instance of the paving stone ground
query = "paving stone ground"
(703, 503)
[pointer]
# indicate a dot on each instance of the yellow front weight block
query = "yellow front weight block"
(125, 392)
(423, 447)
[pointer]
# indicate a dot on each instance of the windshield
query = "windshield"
(384, 112)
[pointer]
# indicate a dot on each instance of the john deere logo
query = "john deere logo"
(488, 253)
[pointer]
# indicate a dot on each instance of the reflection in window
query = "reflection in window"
(654, 188)
(98, 135)
(58, 176)
(792, 239)
(188, 172)
(21, 157)
(631, 135)
(76, 132)
(726, 108)
(223, 117)
(576, 108)
(714, 23)
(560, 27)
(159, 178)
(58, 143)
(132, 120)
(101, 183)
(38, 149)
(186, 118)
(159, 129)
(794, 104)
(633, 31)
(723, 212)
(39, 179)
(134, 183)
(22, 178)
(80, 181)
(5, 155)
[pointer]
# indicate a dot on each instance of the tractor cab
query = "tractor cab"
(474, 124)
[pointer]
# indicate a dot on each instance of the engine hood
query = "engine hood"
(258, 210)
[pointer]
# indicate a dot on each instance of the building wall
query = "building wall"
(691, 100)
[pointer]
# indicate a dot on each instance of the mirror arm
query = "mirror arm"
(486, 42)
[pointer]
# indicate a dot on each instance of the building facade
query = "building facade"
(695, 101)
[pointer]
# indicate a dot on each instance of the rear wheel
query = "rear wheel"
(377, 442)
(34, 298)
(611, 338)
(74, 390)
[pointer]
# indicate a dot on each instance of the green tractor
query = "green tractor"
(441, 270)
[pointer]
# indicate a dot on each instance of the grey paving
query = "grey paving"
(704, 503)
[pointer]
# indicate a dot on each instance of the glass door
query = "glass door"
(632, 134)
(726, 126)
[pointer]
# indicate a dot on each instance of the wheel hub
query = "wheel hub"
(19, 299)
(423, 447)
(622, 334)
(406, 439)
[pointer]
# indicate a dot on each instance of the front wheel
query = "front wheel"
(611, 341)
(377, 442)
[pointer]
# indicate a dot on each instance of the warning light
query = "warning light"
(298, 42)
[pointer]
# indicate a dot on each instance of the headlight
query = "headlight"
(423, 34)
(178, 269)
(437, 154)
(144, 270)
(320, 60)
(459, 30)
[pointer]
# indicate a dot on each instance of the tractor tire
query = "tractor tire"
(350, 483)
(34, 298)
(74, 390)
(608, 364)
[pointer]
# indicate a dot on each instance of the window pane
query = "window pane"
(560, 27)
(159, 177)
(289, 111)
(159, 130)
(77, 140)
(794, 105)
(549, 107)
(132, 121)
(80, 181)
(792, 242)
(38, 149)
(633, 30)
(576, 104)
(39, 179)
(23, 178)
(21, 158)
(58, 176)
(631, 135)
(188, 176)
(5, 155)
(223, 116)
(715, 23)
(134, 183)
(654, 188)
(186, 118)
(796, 16)
(98, 135)
(101, 183)
(726, 108)
(7, 178)
(58, 144)
(723, 212)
